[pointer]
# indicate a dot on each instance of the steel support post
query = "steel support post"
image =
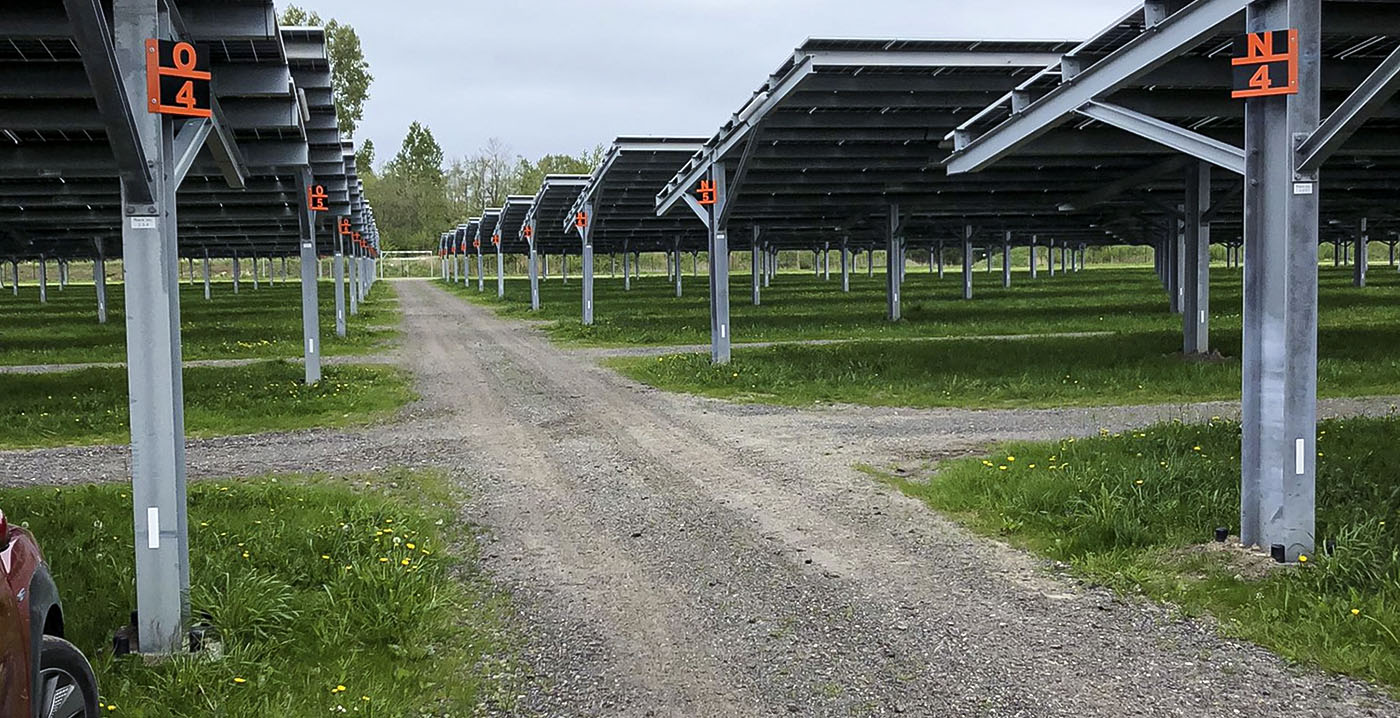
(826, 262)
(338, 275)
(1035, 270)
(151, 261)
(564, 267)
(1362, 260)
(14, 276)
(676, 253)
(500, 273)
(989, 259)
(757, 281)
(870, 262)
(1050, 256)
(587, 242)
(352, 264)
(1195, 314)
(845, 266)
(1174, 242)
(310, 302)
(480, 271)
(1279, 387)
(43, 280)
(255, 273)
(63, 273)
(237, 272)
(770, 261)
(1006, 262)
(892, 231)
(99, 279)
(534, 268)
(967, 262)
(207, 293)
(938, 254)
(626, 268)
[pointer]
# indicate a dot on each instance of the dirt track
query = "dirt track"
(674, 556)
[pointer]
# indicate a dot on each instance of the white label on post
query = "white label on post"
(152, 527)
(306, 245)
(1302, 188)
(1298, 458)
(143, 222)
(724, 331)
(1203, 316)
(310, 345)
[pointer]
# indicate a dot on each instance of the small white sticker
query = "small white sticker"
(152, 527)
(1302, 188)
(310, 345)
(143, 222)
(1203, 316)
(1298, 457)
(724, 331)
(306, 245)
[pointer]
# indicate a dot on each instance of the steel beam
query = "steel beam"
(1193, 144)
(1173, 36)
(1365, 102)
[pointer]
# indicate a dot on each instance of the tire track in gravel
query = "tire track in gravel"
(677, 556)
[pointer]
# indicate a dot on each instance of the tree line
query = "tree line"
(418, 193)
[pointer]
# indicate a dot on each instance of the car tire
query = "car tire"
(67, 686)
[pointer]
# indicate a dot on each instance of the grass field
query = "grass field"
(895, 364)
(1136, 512)
(90, 406)
(329, 596)
(261, 324)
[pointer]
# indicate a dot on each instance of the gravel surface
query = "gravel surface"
(676, 556)
(740, 346)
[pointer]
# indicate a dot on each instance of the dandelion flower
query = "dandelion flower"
(383, 560)
(325, 557)
(404, 562)
(410, 546)
(1302, 558)
(1356, 612)
(240, 681)
(1138, 482)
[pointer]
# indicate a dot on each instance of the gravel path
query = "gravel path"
(325, 361)
(676, 556)
(604, 352)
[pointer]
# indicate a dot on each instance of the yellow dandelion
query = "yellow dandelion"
(1138, 482)
(325, 557)
(410, 546)
(240, 681)
(404, 562)
(1030, 466)
(245, 554)
(383, 560)
(1010, 458)
(364, 698)
(1356, 612)
(1302, 558)
(1002, 467)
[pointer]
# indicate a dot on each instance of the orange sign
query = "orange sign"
(496, 239)
(1265, 63)
(528, 232)
(581, 220)
(316, 198)
(706, 192)
(177, 80)
(345, 226)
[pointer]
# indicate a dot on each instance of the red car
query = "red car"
(41, 675)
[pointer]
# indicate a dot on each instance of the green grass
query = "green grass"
(305, 580)
(1126, 510)
(261, 324)
(90, 406)
(894, 364)
(1127, 368)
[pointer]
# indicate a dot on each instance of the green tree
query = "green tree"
(350, 76)
(364, 159)
(420, 157)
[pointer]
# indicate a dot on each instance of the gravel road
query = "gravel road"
(676, 556)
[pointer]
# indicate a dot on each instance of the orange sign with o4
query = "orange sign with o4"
(177, 80)
(581, 220)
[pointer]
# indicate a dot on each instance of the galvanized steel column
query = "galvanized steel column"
(338, 275)
(1006, 261)
(1195, 315)
(1279, 387)
(967, 262)
(310, 302)
(892, 230)
(99, 279)
(1362, 261)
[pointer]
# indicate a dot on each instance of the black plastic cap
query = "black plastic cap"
(1278, 552)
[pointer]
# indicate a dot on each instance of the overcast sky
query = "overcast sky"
(560, 76)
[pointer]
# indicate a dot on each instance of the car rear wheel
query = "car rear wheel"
(67, 687)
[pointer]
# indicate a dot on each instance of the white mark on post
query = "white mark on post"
(152, 527)
(1299, 459)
